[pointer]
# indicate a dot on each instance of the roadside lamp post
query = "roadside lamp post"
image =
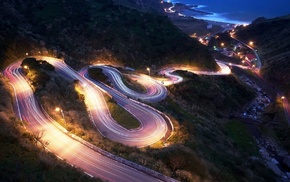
(222, 44)
(26, 67)
(26, 54)
(58, 109)
(282, 98)
(148, 69)
(251, 43)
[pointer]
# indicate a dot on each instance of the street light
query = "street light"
(282, 98)
(251, 43)
(148, 69)
(26, 67)
(58, 109)
(222, 44)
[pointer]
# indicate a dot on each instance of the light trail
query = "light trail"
(174, 79)
(153, 125)
(59, 142)
(155, 91)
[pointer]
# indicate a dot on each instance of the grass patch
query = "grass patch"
(242, 138)
(133, 84)
(122, 116)
(98, 75)
(119, 114)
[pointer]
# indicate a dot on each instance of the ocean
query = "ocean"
(238, 11)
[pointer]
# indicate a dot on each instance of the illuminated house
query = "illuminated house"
(251, 58)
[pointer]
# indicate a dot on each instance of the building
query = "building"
(250, 58)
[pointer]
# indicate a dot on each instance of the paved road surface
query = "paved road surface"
(60, 143)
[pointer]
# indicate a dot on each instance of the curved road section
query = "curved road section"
(174, 79)
(154, 126)
(155, 91)
(74, 152)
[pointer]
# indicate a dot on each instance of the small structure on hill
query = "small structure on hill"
(251, 58)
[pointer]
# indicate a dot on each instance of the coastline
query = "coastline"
(190, 24)
(179, 10)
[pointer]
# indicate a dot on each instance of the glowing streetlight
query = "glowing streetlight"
(222, 44)
(26, 67)
(148, 69)
(282, 98)
(58, 109)
(251, 43)
(230, 65)
(26, 54)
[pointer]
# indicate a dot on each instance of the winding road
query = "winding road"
(155, 91)
(174, 79)
(154, 124)
(61, 144)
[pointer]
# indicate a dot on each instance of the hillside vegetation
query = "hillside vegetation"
(272, 40)
(96, 30)
(213, 146)
(207, 145)
(199, 107)
(219, 95)
(21, 156)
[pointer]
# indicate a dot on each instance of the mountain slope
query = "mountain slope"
(144, 5)
(85, 31)
(272, 39)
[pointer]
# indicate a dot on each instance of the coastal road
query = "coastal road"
(59, 142)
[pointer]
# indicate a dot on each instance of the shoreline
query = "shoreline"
(178, 10)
